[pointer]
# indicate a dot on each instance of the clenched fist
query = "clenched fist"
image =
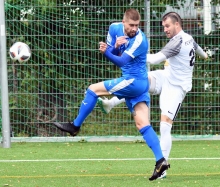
(102, 47)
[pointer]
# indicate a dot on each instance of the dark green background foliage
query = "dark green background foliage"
(64, 36)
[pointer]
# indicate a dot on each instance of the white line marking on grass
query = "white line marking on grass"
(107, 175)
(103, 159)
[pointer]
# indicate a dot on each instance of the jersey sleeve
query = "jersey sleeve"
(172, 48)
(199, 51)
(118, 60)
(155, 58)
(195, 45)
(110, 37)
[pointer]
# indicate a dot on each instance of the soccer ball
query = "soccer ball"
(20, 51)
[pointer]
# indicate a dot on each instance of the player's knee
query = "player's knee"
(153, 86)
(141, 121)
(92, 87)
(95, 87)
(140, 125)
(166, 119)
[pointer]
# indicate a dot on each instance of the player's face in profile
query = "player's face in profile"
(130, 27)
(170, 27)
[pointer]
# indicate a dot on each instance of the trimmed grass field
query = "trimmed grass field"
(107, 164)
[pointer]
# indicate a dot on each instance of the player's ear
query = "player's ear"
(177, 24)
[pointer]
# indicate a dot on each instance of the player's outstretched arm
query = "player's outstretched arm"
(156, 58)
(199, 51)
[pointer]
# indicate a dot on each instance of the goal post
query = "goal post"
(6, 141)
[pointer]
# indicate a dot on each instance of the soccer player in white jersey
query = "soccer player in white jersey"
(174, 81)
(126, 47)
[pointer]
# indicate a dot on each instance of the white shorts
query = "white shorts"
(171, 96)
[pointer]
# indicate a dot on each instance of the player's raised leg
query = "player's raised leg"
(86, 108)
(155, 88)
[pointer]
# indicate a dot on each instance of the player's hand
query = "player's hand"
(102, 47)
(120, 40)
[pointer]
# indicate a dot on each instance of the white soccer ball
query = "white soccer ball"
(20, 51)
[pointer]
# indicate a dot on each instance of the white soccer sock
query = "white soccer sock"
(115, 101)
(165, 138)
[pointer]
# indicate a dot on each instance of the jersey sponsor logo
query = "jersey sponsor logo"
(188, 42)
(158, 170)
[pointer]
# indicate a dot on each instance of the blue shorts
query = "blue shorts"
(133, 90)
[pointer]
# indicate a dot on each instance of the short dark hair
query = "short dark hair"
(174, 17)
(132, 14)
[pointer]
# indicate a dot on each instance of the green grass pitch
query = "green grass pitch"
(107, 164)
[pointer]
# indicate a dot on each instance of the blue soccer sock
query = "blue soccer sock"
(86, 107)
(152, 141)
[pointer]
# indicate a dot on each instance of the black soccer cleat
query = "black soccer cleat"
(161, 166)
(68, 127)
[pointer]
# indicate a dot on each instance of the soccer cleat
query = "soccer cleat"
(159, 169)
(68, 127)
(163, 176)
(104, 105)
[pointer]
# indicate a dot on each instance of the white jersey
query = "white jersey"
(180, 54)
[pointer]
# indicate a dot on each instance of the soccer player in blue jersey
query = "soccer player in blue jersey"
(126, 47)
(172, 83)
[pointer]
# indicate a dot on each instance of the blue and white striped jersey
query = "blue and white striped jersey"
(135, 47)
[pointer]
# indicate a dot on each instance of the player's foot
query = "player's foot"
(163, 176)
(161, 166)
(104, 105)
(68, 127)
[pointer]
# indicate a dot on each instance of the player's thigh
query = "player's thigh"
(138, 106)
(171, 98)
(141, 115)
(157, 79)
(132, 102)
(99, 88)
(127, 88)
